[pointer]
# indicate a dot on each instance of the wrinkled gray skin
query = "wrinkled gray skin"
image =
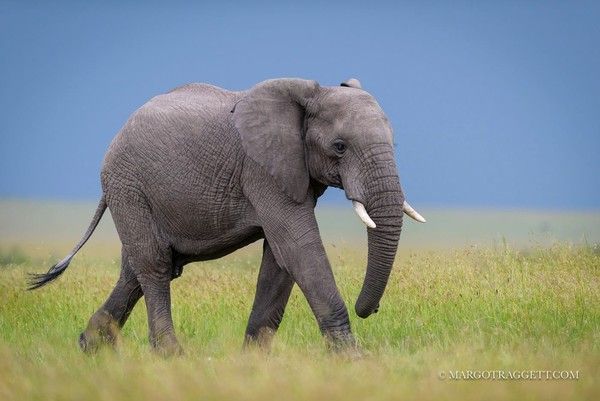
(199, 172)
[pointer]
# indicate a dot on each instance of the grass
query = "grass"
(446, 310)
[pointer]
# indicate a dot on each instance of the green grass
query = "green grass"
(446, 310)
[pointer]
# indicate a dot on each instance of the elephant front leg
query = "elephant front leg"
(315, 278)
(272, 293)
(292, 232)
(295, 242)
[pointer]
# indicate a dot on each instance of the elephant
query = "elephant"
(199, 172)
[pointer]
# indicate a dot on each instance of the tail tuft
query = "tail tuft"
(39, 280)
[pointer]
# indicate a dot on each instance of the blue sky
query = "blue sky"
(493, 105)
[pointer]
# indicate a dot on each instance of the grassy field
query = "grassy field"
(447, 310)
(472, 309)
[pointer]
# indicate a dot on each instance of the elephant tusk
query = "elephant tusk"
(413, 213)
(360, 210)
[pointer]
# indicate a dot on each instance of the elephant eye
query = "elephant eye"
(339, 146)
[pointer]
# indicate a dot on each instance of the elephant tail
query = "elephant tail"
(39, 280)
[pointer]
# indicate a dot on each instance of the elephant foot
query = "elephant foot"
(166, 346)
(351, 353)
(102, 330)
(344, 344)
(260, 341)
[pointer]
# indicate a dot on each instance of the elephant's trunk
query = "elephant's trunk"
(383, 199)
(386, 211)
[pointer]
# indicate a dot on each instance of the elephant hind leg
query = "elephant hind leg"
(104, 325)
(160, 322)
(150, 259)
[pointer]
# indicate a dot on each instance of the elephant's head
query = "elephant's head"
(340, 137)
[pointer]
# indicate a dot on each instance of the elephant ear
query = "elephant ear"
(352, 83)
(270, 120)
